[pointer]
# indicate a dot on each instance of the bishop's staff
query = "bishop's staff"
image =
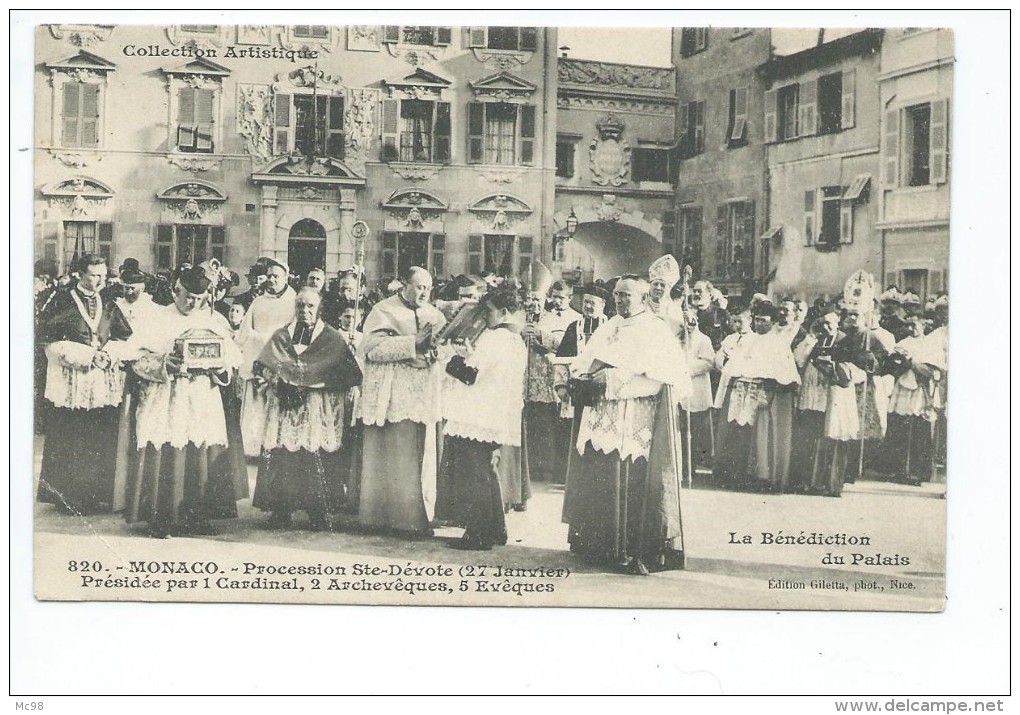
(685, 280)
(859, 296)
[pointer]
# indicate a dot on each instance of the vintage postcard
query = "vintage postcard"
(707, 359)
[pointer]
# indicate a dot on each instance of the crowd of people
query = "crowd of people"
(415, 404)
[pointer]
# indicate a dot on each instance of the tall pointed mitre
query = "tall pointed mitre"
(537, 277)
(665, 268)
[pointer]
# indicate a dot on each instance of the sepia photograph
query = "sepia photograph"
(492, 316)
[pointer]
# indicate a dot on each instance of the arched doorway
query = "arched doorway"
(306, 246)
(604, 249)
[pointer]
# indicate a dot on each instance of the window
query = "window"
(314, 32)
(828, 217)
(302, 129)
(915, 141)
(734, 246)
(416, 130)
(417, 35)
(736, 128)
(830, 103)
(195, 119)
(202, 29)
(649, 164)
(501, 133)
(403, 249)
(503, 38)
(693, 40)
(499, 253)
(81, 238)
(788, 99)
(689, 226)
(80, 114)
(188, 243)
(566, 150)
(692, 128)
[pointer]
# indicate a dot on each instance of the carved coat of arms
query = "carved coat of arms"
(609, 154)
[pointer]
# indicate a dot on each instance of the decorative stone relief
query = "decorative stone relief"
(193, 164)
(306, 77)
(78, 196)
(363, 38)
(255, 119)
(604, 74)
(500, 176)
(500, 212)
(415, 172)
(70, 158)
(82, 35)
(503, 87)
(506, 60)
(193, 201)
(628, 106)
(415, 209)
(608, 209)
(359, 126)
(254, 34)
(609, 155)
(202, 41)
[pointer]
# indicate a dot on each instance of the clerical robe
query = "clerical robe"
(622, 497)
(175, 450)
(401, 405)
(79, 450)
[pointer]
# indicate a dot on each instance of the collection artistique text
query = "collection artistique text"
(258, 53)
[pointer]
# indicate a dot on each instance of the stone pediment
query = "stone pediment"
(78, 186)
(199, 65)
(500, 202)
(503, 86)
(198, 190)
(416, 198)
(419, 78)
(83, 60)
(298, 170)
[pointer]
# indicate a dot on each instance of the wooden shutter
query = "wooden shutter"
(807, 108)
(936, 281)
(849, 103)
(390, 129)
(771, 115)
(529, 39)
(164, 245)
(810, 214)
(525, 250)
(939, 140)
(391, 33)
(204, 117)
(476, 132)
(90, 115)
(201, 243)
(104, 241)
(282, 121)
(846, 221)
(740, 95)
(441, 134)
(700, 38)
(186, 118)
(721, 239)
(70, 136)
(475, 36)
(684, 129)
(444, 36)
(335, 128)
(218, 243)
(476, 245)
(527, 124)
(891, 149)
(437, 260)
(389, 253)
(698, 120)
(892, 278)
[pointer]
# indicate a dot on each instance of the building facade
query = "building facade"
(721, 204)
(915, 86)
(319, 145)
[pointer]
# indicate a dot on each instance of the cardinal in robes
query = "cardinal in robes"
(309, 369)
(623, 482)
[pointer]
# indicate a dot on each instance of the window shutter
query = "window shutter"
(892, 278)
(186, 137)
(164, 245)
(476, 132)
(104, 242)
(721, 230)
(475, 250)
(335, 128)
(389, 253)
(444, 36)
(810, 198)
(891, 149)
(442, 133)
(698, 120)
(684, 128)
(204, 137)
(70, 113)
(740, 95)
(90, 115)
(186, 105)
(390, 129)
(204, 99)
(771, 114)
(475, 37)
(525, 251)
(438, 258)
(391, 33)
(700, 38)
(807, 109)
(529, 39)
(282, 119)
(201, 244)
(939, 140)
(849, 99)
(218, 243)
(527, 152)
(846, 221)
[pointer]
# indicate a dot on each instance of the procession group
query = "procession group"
(417, 405)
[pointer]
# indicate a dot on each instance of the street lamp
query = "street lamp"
(571, 223)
